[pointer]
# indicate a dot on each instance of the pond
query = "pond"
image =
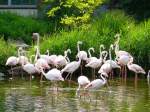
(22, 95)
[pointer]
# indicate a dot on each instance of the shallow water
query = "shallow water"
(21, 95)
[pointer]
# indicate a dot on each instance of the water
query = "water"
(21, 95)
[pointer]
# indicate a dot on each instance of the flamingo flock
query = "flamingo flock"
(56, 65)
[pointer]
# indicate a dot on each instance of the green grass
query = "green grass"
(6, 50)
(21, 28)
(134, 37)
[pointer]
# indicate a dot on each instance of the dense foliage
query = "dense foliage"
(21, 28)
(72, 13)
(134, 37)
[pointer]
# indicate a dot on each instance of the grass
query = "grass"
(134, 37)
(7, 50)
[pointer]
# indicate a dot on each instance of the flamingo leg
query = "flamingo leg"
(70, 76)
(12, 72)
(135, 80)
(41, 78)
(81, 68)
(30, 77)
(125, 72)
(94, 74)
(67, 76)
(112, 74)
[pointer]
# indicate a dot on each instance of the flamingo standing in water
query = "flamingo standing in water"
(96, 63)
(111, 62)
(122, 57)
(12, 61)
(82, 82)
(81, 54)
(53, 75)
(135, 68)
(71, 67)
(97, 83)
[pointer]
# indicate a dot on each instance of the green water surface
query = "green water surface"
(21, 95)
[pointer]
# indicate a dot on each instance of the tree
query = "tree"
(73, 13)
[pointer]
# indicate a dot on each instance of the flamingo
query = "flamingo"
(40, 62)
(53, 74)
(97, 83)
(62, 60)
(21, 59)
(71, 67)
(82, 82)
(81, 54)
(105, 68)
(123, 60)
(110, 61)
(96, 63)
(30, 68)
(12, 61)
(117, 51)
(135, 68)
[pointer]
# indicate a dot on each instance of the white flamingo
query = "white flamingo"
(96, 63)
(135, 68)
(12, 61)
(30, 68)
(111, 62)
(53, 75)
(81, 54)
(82, 82)
(61, 61)
(117, 51)
(71, 67)
(22, 59)
(97, 83)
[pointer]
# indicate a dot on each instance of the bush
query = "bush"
(7, 50)
(21, 28)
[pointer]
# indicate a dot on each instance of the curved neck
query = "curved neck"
(100, 50)
(105, 56)
(104, 80)
(116, 48)
(36, 55)
(43, 72)
(38, 40)
(89, 52)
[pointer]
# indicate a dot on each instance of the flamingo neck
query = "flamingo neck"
(104, 80)
(116, 48)
(105, 56)
(78, 90)
(43, 73)
(78, 46)
(47, 52)
(100, 50)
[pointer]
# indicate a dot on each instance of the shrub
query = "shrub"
(21, 28)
